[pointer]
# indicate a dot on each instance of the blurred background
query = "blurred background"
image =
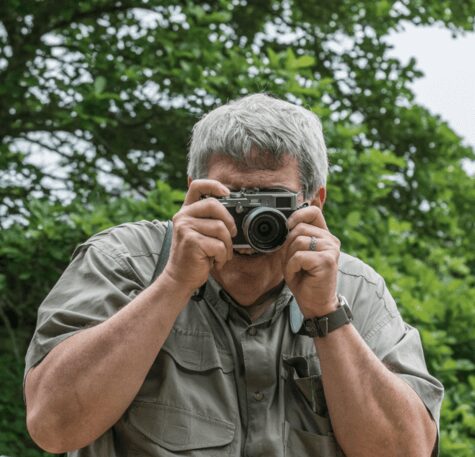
(97, 102)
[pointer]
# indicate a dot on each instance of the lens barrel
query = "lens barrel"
(265, 229)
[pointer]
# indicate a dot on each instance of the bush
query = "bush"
(33, 255)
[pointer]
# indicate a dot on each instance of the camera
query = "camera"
(260, 217)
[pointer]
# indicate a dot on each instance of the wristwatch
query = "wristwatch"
(322, 326)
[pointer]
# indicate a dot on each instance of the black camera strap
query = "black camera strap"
(163, 259)
(164, 252)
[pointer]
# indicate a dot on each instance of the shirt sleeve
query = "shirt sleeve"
(97, 283)
(399, 347)
(395, 343)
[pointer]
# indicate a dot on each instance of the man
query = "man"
(125, 364)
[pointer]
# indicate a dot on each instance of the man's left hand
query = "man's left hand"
(311, 274)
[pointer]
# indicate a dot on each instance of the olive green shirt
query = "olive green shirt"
(222, 385)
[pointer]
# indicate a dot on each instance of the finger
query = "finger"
(308, 261)
(204, 187)
(307, 231)
(215, 229)
(311, 215)
(302, 243)
(304, 229)
(214, 249)
(209, 208)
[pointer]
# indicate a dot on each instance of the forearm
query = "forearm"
(373, 412)
(93, 376)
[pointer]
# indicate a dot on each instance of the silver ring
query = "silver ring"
(313, 244)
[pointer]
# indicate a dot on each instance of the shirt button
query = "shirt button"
(258, 396)
(252, 331)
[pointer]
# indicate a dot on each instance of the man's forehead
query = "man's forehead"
(235, 175)
(252, 162)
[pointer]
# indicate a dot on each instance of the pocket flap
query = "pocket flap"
(177, 429)
(197, 351)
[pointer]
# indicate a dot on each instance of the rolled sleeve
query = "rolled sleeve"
(406, 359)
(96, 284)
(399, 347)
(395, 343)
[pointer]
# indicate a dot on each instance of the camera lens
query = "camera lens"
(265, 229)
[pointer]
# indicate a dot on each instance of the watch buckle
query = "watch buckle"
(323, 326)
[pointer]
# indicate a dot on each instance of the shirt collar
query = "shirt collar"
(217, 297)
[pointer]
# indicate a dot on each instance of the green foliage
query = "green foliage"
(32, 257)
(106, 88)
(98, 99)
(423, 251)
(13, 440)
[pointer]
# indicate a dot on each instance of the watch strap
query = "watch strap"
(323, 325)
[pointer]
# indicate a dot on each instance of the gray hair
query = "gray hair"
(261, 124)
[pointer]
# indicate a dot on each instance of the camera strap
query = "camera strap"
(164, 252)
(163, 259)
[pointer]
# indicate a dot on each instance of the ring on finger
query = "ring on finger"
(313, 244)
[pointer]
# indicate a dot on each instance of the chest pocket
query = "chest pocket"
(157, 430)
(307, 427)
(187, 405)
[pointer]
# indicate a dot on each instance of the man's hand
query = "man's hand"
(311, 275)
(202, 235)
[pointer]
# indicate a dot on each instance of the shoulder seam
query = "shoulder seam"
(365, 278)
(357, 275)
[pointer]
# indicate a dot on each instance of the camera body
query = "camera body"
(260, 217)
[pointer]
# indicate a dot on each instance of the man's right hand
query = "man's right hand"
(202, 235)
